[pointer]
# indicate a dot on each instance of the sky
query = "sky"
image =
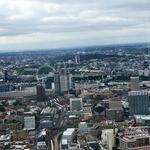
(42, 24)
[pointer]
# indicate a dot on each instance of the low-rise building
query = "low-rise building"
(29, 122)
(135, 138)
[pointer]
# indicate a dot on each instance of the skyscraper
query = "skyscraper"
(57, 82)
(5, 75)
(77, 59)
(62, 81)
(49, 81)
(138, 102)
(40, 92)
(29, 122)
(134, 83)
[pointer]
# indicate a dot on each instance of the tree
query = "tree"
(17, 103)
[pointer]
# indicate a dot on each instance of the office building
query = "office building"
(77, 59)
(135, 138)
(29, 122)
(49, 82)
(57, 82)
(115, 114)
(68, 135)
(62, 81)
(5, 75)
(40, 92)
(108, 138)
(142, 120)
(83, 127)
(138, 102)
(135, 84)
(76, 104)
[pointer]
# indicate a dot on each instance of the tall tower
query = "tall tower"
(62, 81)
(40, 92)
(57, 82)
(77, 59)
(134, 83)
(49, 81)
(5, 75)
(138, 102)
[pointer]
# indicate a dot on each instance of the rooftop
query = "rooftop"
(5, 137)
(135, 93)
(144, 117)
(69, 131)
(133, 133)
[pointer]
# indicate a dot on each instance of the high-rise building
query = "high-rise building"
(134, 83)
(76, 104)
(62, 81)
(108, 138)
(5, 75)
(49, 81)
(57, 82)
(138, 102)
(77, 59)
(40, 92)
(115, 104)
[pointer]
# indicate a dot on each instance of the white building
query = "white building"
(29, 122)
(68, 135)
(64, 80)
(108, 138)
(137, 99)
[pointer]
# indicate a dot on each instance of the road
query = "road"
(56, 141)
(52, 145)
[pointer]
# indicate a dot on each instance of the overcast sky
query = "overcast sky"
(34, 24)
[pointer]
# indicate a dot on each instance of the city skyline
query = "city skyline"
(37, 24)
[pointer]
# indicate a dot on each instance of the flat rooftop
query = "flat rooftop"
(133, 133)
(69, 131)
(144, 117)
(136, 93)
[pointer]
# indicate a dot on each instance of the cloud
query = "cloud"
(52, 23)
